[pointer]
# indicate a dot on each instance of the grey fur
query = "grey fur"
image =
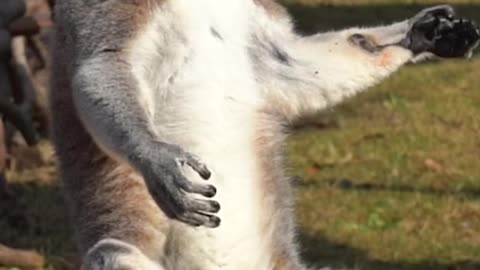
(365, 42)
(215, 33)
(106, 92)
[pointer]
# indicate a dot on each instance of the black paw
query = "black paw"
(457, 38)
(173, 192)
(438, 31)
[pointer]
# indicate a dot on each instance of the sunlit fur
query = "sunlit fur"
(220, 78)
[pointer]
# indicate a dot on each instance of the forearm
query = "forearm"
(114, 109)
(109, 104)
(342, 66)
(308, 74)
(324, 69)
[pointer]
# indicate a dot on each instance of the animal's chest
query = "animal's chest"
(213, 52)
(206, 99)
(203, 73)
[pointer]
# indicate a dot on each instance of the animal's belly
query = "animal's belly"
(205, 100)
(237, 243)
(208, 108)
(210, 111)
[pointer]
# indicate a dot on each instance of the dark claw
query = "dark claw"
(214, 207)
(200, 168)
(194, 212)
(172, 191)
(214, 222)
(203, 206)
(199, 219)
(210, 192)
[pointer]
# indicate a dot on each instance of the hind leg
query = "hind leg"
(112, 254)
(117, 223)
(119, 226)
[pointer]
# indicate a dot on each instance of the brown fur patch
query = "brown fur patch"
(276, 201)
(273, 8)
(280, 262)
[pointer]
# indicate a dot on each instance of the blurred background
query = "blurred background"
(389, 180)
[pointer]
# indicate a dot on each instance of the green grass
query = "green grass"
(389, 180)
(373, 2)
(33, 214)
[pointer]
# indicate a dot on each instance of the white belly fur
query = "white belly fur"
(205, 100)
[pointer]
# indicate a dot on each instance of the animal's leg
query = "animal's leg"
(112, 254)
(110, 201)
(322, 70)
(108, 97)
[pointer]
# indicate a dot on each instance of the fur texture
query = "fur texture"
(152, 97)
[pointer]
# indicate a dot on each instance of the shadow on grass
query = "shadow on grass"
(34, 216)
(323, 253)
(328, 17)
(470, 193)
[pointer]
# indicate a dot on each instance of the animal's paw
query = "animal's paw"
(437, 30)
(457, 38)
(172, 191)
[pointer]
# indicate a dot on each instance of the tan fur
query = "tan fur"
(272, 7)
(269, 145)
(282, 262)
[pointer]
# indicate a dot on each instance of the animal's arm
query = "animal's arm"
(108, 99)
(322, 70)
(307, 74)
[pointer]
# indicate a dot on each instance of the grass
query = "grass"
(389, 180)
(33, 213)
(315, 3)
